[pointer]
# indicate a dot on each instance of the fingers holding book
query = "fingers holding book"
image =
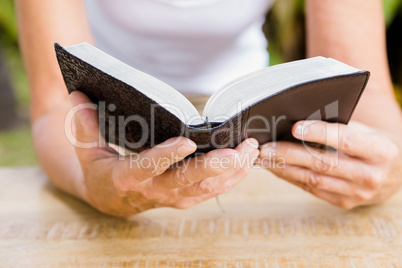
(156, 177)
(354, 166)
(210, 179)
(194, 180)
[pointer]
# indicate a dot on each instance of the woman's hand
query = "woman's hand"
(363, 170)
(125, 187)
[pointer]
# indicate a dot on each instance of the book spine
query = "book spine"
(226, 135)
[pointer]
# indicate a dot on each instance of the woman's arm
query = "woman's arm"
(97, 175)
(354, 32)
(366, 168)
(41, 24)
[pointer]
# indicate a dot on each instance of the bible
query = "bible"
(138, 111)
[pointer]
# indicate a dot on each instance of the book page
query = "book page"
(160, 92)
(243, 92)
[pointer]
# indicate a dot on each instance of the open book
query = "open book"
(138, 111)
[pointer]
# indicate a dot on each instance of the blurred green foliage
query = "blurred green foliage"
(8, 25)
(16, 147)
(391, 8)
(285, 27)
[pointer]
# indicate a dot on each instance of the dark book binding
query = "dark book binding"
(125, 116)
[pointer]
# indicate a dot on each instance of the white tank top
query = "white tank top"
(196, 46)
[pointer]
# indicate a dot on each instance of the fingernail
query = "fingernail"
(301, 131)
(253, 143)
(268, 151)
(188, 147)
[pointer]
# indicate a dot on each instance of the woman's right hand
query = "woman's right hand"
(123, 187)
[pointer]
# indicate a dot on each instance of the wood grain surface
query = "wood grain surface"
(266, 223)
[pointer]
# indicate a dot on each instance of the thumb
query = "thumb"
(86, 120)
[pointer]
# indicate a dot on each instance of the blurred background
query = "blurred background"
(284, 29)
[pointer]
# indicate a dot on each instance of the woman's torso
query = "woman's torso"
(195, 46)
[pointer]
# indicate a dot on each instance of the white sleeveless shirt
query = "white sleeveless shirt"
(196, 46)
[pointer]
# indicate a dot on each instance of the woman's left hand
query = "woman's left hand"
(363, 170)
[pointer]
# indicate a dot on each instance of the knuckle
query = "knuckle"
(375, 180)
(206, 187)
(314, 180)
(182, 178)
(323, 164)
(348, 140)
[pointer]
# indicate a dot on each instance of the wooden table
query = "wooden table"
(267, 223)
